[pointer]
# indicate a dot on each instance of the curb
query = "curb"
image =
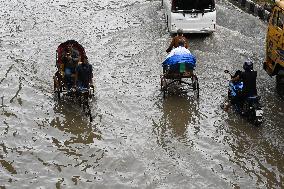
(255, 9)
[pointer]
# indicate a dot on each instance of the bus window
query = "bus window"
(280, 20)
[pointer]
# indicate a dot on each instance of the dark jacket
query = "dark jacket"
(249, 80)
(84, 73)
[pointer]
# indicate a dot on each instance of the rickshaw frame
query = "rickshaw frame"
(169, 79)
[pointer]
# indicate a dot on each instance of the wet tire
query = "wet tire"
(58, 95)
(163, 86)
(163, 83)
(280, 85)
(56, 87)
(257, 123)
(195, 85)
(258, 119)
(86, 106)
(168, 27)
(229, 95)
(55, 84)
(90, 116)
(197, 89)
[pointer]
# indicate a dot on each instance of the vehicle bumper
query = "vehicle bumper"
(174, 27)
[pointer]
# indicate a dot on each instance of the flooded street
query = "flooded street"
(137, 139)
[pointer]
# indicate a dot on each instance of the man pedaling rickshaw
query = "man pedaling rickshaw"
(176, 39)
(84, 75)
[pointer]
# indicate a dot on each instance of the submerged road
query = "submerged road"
(137, 138)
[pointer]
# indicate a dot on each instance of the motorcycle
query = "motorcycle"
(248, 107)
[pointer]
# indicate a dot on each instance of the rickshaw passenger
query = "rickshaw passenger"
(84, 75)
(176, 39)
(70, 58)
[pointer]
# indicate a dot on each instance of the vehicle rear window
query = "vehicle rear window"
(189, 5)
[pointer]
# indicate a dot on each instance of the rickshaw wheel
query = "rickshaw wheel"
(280, 85)
(55, 83)
(161, 83)
(56, 86)
(194, 81)
(90, 115)
(163, 86)
(86, 106)
(195, 85)
(58, 94)
(197, 90)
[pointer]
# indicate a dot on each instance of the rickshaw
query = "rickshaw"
(179, 74)
(84, 95)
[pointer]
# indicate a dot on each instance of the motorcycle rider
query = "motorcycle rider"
(248, 77)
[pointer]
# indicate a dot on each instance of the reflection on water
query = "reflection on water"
(70, 118)
(135, 140)
(179, 113)
(252, 153)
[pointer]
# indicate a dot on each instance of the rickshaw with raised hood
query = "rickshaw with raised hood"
(82, 95)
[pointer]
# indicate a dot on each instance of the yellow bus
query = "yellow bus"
(274, 61)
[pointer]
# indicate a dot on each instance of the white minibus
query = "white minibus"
(193, 16)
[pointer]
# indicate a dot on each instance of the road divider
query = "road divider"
(255, 9)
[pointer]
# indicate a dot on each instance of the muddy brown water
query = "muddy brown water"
(137, 138)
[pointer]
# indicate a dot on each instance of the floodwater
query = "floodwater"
(137, 138)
